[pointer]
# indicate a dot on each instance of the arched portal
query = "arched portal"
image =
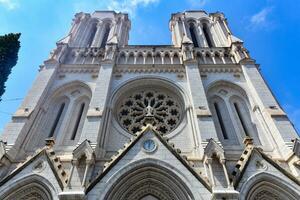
(32, 191)
(149, 182)
(269, 191)
(265, 186)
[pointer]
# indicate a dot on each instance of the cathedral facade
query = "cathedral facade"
(189, 121)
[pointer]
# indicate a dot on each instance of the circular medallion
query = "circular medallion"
(162, 109)
(149, 145)
(39, 166)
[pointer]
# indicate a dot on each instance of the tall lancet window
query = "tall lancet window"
(105, 36)
(207, 35)
(193, 33)
(92, 34)
(78, 119)
(57, 119)
(241, 118)
(221, 121)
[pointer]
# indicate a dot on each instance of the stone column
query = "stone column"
(94, 120)
(209, 163)
(214, 35)
(88, 164)
(74, 163)
(98, 35)
(177, 33)
(78, 31)
(201, 36)
(112, 32)
(281, 129)
(183, 25)
(221, 33)
(223, 161)
(204, 128)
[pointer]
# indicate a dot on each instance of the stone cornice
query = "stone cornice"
(220, 69)
(92, 68)
(149, 69)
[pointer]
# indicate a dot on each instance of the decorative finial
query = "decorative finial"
(50, 142)
(248, 141)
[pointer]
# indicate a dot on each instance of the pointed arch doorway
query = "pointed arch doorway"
(149, 183)
(149, 197)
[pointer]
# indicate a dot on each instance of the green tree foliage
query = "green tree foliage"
(9, 48)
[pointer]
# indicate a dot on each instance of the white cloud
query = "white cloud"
(129, 6)
(260, 18)
(197, 3)
(9, 4)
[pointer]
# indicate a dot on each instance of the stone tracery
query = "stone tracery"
(150, 106)
(149, 180)
(32, 192)
(265, 195)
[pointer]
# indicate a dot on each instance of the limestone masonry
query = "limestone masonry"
(189, 121)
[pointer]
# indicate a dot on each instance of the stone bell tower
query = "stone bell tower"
(199, 28)
(106, 120)
(99, 28)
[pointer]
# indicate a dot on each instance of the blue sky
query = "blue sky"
(270, 29)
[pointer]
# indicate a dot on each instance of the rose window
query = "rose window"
(158, 108)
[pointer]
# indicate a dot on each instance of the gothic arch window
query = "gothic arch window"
(176, 59)
(58, 119)
(62, 116)
(208, 58)
(78, 120)
(149, 105)
(220, 120)
(158, 59)
(105, 35)
(207, 35)
(221, 117)
(200, 58)
(193, 33)
(149, 59)
(243, 118)
(54, 116)
(167, 59)
(218, 59)
(93, 31)
(231, 114)
(140, 59)
(49, 122)
(130, 58)
(78, 112)
(227, 58)
(122, 58)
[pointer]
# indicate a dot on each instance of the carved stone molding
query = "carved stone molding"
(149, 69)
(29, 192)
(220, 69)
(79, 69)
(264, 195)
